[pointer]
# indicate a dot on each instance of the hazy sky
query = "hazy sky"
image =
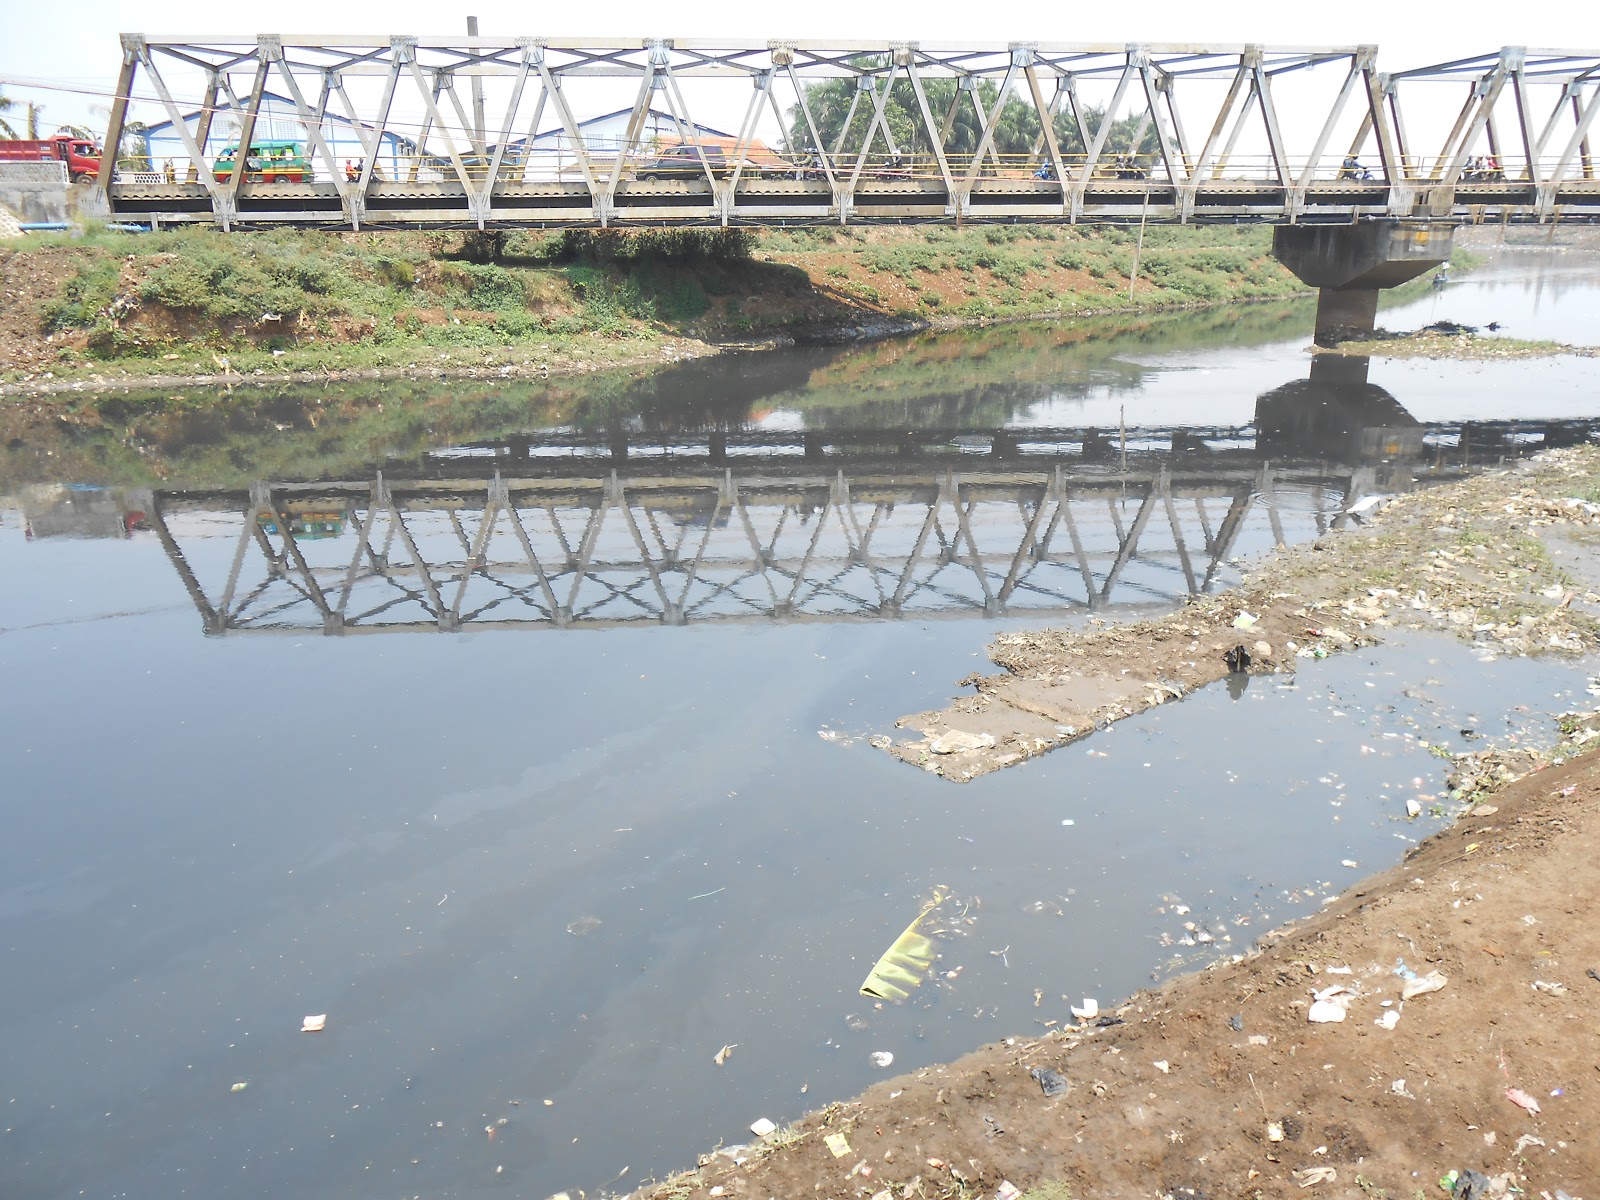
(77, 46)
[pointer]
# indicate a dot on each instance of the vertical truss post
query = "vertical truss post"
(132, 48)
(1269, 117)
(1176, 173)
(935, 141)
(1047, 129)
(1519, 93)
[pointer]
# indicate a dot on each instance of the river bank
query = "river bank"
(1427, 1021)
(112, 310)
(1466, 559)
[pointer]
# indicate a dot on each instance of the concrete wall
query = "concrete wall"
(34, 191)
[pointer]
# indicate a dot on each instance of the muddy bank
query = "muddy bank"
(1467, 558)
(1433, 1019)
(1464, 982)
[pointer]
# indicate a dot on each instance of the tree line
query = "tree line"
(1017, 133)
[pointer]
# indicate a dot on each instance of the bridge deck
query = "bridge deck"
(784, 201)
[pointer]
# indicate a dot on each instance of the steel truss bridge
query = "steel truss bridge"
(1240, 133)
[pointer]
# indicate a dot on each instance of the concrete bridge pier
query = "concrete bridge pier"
(1351, 264)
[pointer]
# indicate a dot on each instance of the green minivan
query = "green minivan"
(267, 162)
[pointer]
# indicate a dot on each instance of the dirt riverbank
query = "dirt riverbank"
(1453, 994)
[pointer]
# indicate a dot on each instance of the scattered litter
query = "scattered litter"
(1163, 1066)
(1389, 1019)
(314, 1024)
(1524, 1142)
(1467, 1185)
(881, 1058)
(1236, 1022)
(837, 1143)
(1315, 1175)
(1089, 1010)
(584, 926)
(1349, 862)
(905, 962)
(1522, 1100)
(1258, 1039)
(955, 740)
(1433, 981)
(240, 1086)
(761, 1127)
(1052, 1083)
(1554, 989)
(1413, 809)
(1398, 1088)
(1330, 1004)
(724, 1053)
(1245, 620)
(1007, 1191)
(1274, 1131)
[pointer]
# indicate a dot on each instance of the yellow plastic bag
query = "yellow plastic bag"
(905, 962)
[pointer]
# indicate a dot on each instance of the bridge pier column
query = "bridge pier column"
(1351, 264)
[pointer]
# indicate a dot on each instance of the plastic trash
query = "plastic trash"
(1433, 981)
(761, 1127)
(1007, 1191)
(1468, 1185)
(1088, 1011)
(956, 740)
(1236, 1022)
(1522, 1100)
(837, 1144)
(904, 963)
(881, 1058)
(314, 1024)
(1052, 1083)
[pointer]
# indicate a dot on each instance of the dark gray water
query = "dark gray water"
(571, 867)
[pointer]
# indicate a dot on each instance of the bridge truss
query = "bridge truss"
(1238, 132)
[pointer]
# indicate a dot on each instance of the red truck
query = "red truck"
(80, 154)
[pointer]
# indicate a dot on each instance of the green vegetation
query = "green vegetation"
(190, 301)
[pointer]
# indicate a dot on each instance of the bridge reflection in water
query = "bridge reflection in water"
(560, 530)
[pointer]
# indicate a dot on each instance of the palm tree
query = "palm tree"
(5, 126)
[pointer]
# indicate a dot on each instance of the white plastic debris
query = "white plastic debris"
(1413, 809)
(761, 1127)
(955, 740)
(314, 1024)
(881, 1058)
(1389, 1019)
(1324, 1012)
(1089, 1010)
(1433, 981)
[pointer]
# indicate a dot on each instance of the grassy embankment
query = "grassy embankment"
(112, 306)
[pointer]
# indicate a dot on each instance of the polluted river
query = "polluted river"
(522, 732)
